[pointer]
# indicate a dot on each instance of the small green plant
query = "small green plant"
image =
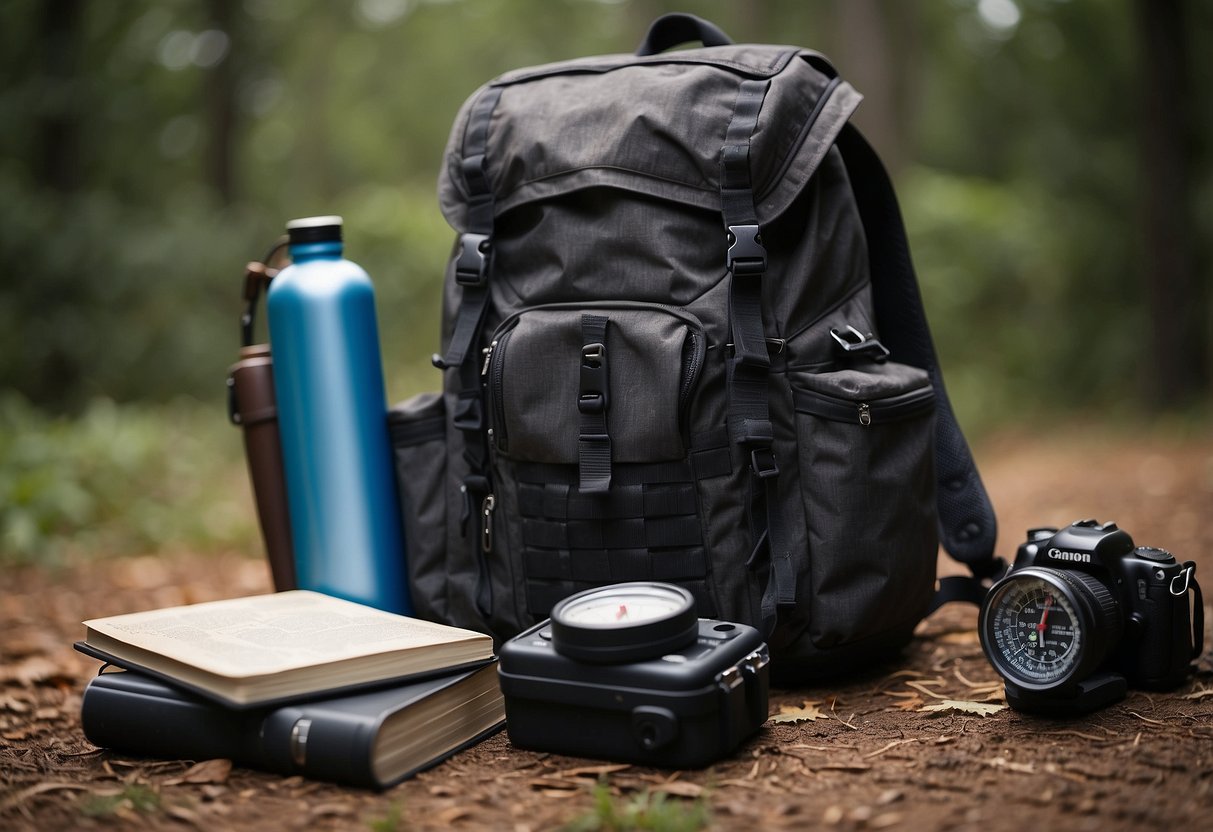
(643, 811)
(393, 821)
(120, 479)
(135, 796)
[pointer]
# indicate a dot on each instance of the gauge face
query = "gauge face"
(622, 608)
(1031, 632)
(624, 622)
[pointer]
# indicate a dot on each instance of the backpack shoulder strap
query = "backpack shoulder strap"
(747, 369)
(967, 525)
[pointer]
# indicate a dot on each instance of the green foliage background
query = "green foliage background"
(1014, 144)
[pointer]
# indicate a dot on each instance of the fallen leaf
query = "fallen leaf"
(808, 712)
(582, 771)
(183, 813)
(16, 799)
(448, 816)
(1004, 763)
(208, 771)
(910, 702)
(961, 637)
(964, 706)
(330, 810)
(10, 702)
(884, 821)
(680, 788)
(34, 671)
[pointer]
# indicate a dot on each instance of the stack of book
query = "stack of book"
(294, 682)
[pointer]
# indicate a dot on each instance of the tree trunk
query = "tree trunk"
(877, 41)
(1177, 370)
(221, 106)
(57, 137)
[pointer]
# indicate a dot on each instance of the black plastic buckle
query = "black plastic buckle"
(468, 415)
(746, 253)
(852, 341)
(233, 407)
(472, 264)
(762, 463)
(594, 383)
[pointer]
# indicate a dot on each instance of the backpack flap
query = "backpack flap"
(651, 125)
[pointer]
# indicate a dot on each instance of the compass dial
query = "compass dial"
(1032, 631)
(624, 622)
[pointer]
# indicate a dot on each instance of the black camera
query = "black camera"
(1083, 613)
(628, 672)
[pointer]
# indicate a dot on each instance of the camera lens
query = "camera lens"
(1045, 628)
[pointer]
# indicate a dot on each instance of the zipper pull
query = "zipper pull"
(487, 352)
(865, 414)
(486, 530)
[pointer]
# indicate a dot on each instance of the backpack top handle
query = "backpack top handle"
(669, 30)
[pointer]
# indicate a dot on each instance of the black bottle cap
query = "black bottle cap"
(314, 230)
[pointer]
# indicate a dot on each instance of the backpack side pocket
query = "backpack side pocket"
(418, 432)
(867, 474)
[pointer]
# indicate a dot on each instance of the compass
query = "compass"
(624, 622)
(1044, 628)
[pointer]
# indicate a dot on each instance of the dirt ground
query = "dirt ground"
(881, 752)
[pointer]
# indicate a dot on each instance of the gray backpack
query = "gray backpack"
(683, 342)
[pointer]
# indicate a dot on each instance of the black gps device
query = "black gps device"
(628, 672)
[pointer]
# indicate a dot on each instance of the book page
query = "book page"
(270, 633)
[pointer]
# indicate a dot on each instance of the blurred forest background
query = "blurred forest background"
(1054, 159)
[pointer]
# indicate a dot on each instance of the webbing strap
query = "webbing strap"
(473, 259)
(473, 265)
(593, 400)
(749, 419)
(748, 414)
(555, 501)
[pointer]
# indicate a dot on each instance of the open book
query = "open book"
(274, 648)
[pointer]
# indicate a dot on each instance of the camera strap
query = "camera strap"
(966, 588)
(1198, 608)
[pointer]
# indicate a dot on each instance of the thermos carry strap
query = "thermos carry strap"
(252, 406)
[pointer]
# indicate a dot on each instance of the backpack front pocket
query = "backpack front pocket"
(866, 451)
(588, 412)
(418, 432)
(553, 370)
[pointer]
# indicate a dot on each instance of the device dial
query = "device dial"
(1044, 628)
(624, 622)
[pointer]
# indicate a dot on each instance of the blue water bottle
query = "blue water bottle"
(328, 377)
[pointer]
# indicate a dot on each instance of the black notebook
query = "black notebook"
(372, 740)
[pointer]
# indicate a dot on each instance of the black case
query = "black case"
(686, 709)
